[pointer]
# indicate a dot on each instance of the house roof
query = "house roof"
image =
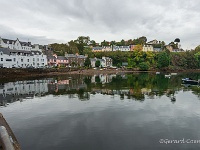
(117, 47)
(25, 43)
(8, 51)
(13, 41)
(71, 55)
(35, 52)
(51, 57)
(81, 56)
(97, 48)
(61, 58)
(9, 41)
(5, 50)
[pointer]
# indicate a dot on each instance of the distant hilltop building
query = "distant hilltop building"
(152, 46)
(18, 54)
(104, 62)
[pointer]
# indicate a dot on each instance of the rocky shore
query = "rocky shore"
(16, 73)
(22, 73)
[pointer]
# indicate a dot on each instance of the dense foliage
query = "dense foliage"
(143, 66)
(87, 62)
(97, 63)
(137, 58)
(163, 60)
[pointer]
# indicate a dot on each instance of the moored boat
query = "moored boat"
(190, 81)
(167, 76)
(173, 74)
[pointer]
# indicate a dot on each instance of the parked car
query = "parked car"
(29, 67)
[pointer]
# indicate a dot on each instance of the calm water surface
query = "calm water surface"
(115, 112)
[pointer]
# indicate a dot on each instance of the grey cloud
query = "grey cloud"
(10, 34)
(103, 19)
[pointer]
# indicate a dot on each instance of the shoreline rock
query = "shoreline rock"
(22, 73)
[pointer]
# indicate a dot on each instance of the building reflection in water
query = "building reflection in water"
(19, 90)
(132, 86)
(28, 89)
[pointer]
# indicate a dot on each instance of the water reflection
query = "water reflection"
(130, 86)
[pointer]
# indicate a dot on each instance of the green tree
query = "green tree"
(105, 43)
(83, 40)
(143, 66)
(163, 60)
(93, 43)
(87, 62)
(97, 63)
(87, 50)
(73, 64)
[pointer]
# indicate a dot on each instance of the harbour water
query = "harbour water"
(103, 112)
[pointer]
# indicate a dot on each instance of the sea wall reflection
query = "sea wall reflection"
(130, 86)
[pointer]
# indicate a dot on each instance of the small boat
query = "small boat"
(173, 74)
(167, 76)
(190, 81)
(157, 72)
(173, 99)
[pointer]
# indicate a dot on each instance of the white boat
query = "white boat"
(157, 72)
(173, 74)
(167, 76)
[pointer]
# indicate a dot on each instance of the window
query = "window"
(37, 59)
(21, 60)
(14, 59)
(1, 59)
(27, 60)
(1, 53)
(33, 59)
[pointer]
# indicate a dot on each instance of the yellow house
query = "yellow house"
(147, 48)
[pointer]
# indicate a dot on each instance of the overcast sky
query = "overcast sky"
(50, 21)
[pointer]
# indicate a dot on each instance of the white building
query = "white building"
(15, 44)
(107, 62)
(147, 48)
(20, 54)
(104, 62)
(121, 48)
(107, 49)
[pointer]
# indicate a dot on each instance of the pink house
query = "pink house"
(61, 60)
(51, 61)
(57, 61)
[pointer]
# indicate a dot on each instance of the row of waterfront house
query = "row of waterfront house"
(18, 54)
(149, 46)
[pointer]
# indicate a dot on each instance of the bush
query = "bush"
(143, 66)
